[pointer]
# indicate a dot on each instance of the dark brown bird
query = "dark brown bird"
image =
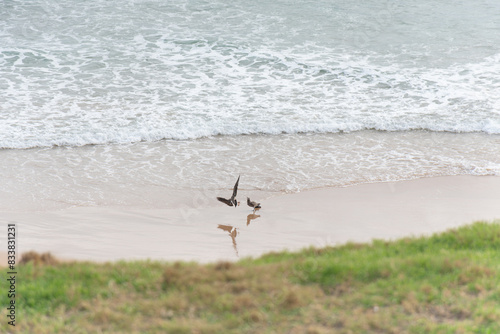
(232, 201)
(252, 204)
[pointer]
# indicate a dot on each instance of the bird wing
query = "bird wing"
(235, 189)
(225, 201)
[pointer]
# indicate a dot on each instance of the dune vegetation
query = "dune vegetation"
(445, 283)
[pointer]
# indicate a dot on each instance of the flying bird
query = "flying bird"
(232, 201)
(253, 204)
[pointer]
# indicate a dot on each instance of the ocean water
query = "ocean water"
(145, 102)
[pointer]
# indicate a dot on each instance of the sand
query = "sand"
(208, 231)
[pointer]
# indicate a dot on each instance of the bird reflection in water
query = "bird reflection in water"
(233, 232)
(251, 217)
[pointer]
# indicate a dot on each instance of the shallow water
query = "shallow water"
(166, 174)
(97, 72)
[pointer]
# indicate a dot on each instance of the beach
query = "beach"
(348, 123)
(209, 231)
(368, 126)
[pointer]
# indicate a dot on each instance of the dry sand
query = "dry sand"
(291, 221)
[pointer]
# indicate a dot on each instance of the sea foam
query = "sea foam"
(163, 75)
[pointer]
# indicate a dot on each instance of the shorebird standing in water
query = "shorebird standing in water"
(252, 204)
(232, 201)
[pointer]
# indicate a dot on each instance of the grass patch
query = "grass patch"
(446, 283)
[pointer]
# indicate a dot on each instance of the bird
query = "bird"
(232, 201)
(252, 204)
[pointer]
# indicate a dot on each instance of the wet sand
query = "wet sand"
(205, 233)
(164, 174)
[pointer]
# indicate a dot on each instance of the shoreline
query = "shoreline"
(167, 174)
(320, 217)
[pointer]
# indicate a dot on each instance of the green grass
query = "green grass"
(446, 283)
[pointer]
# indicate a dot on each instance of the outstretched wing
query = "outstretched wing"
(235, 189)
(225, 201)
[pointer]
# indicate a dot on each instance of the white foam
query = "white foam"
(167, 77)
